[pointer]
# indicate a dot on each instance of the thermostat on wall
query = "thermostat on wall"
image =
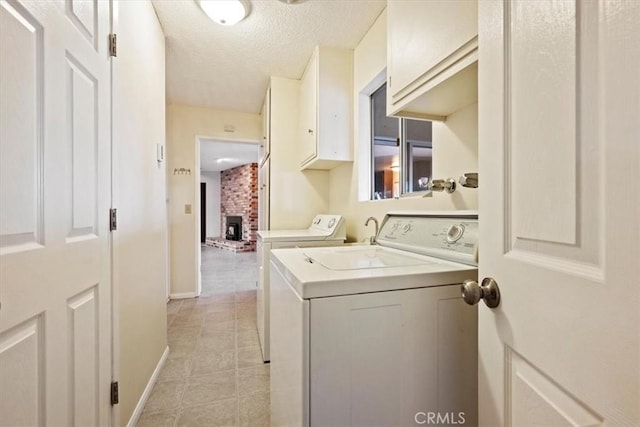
(160, 152)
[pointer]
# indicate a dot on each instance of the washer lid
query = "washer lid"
(366, 257)
(309, 278)
(296, 235)
(323, 227)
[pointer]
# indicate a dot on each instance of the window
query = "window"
(401, 151)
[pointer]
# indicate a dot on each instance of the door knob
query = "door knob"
(472, 293)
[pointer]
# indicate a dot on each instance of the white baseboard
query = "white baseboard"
(147, 390)
(183, 295)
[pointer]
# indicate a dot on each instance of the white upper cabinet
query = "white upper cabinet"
(432, 54)
(265, 144)
(265, 162)
(308, 112)
(264, 194)
(325, 109)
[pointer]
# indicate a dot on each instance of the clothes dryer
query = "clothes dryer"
(325, 230)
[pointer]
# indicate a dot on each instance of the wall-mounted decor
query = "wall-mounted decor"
(182, 171)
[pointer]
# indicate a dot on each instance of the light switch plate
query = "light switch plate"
(160, 153)
(187, 209)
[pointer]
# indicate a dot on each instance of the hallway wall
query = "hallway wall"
(141, 240)
(296, 196)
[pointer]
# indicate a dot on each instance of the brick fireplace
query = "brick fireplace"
(238, 200)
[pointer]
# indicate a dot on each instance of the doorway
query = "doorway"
(203, 212)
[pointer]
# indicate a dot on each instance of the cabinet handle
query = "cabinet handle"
(311, 131)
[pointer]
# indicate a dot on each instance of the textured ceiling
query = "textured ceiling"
(228, 67)
(218, 156)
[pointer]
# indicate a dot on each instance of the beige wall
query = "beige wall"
(295, 196)
(184, 125)
(455, 149)
(140, 243)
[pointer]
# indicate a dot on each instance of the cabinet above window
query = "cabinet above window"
(432, 54)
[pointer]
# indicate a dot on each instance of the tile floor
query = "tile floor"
(214, 375)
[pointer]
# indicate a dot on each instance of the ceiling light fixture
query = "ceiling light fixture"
(225, 12)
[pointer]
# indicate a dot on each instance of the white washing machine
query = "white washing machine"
(377, 335)
(325, 230)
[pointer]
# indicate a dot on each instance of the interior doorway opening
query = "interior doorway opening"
(203, 212)
(227, 170)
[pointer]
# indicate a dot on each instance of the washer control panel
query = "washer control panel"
(326, 222)
(454, 238)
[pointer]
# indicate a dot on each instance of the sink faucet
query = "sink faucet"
(372, 239)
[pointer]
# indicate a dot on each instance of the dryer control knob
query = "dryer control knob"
(455, 232)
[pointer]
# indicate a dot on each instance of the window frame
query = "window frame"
(408, 166)
(402, 144)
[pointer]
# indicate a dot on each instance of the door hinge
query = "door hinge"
(113, 45)
(113, 219)
(114, 393)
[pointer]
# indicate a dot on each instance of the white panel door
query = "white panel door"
(55, 318)
(560, 212)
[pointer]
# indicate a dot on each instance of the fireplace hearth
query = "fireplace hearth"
(234, 228)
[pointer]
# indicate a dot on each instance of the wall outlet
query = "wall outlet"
(187, 209)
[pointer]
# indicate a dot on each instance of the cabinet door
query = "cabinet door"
(422, 34)
(383, 358)
(265, 145)
(263, 195)
(308, 111)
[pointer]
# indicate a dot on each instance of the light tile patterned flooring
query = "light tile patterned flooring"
(214, 375)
